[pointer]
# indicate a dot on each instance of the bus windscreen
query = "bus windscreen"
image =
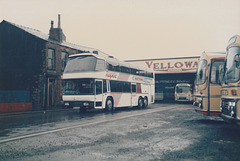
(84, 64)
(78, 87)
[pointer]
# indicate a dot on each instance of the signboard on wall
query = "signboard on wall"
(171, 65)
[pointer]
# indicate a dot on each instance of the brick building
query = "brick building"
(34, 62)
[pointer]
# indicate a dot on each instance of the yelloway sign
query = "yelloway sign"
(175, 65)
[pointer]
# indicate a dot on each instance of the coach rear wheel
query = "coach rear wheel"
(145, 102)
(140, 102)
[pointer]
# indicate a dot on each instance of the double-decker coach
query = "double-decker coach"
(94, 81)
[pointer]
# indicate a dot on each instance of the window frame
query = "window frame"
(52, 65)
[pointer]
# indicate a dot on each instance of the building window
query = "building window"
(51, 59)
(64, 58)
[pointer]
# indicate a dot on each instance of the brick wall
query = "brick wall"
(57, 73)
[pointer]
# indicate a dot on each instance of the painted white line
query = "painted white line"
(83, 125)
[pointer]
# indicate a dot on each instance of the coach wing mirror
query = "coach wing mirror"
(237, 61)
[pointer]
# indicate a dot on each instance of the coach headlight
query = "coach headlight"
(221, 105)
(85, 104)
(231, 105)
(66, 103)
(232, 113)
(231, 108)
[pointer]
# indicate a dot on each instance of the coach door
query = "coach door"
(98, 92)
(134, 94)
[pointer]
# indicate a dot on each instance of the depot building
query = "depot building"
(169, 72)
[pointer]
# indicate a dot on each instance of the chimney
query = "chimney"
(57, 34)
(51, 24)
(59, 21)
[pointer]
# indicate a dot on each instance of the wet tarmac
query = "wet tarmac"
(160, 132)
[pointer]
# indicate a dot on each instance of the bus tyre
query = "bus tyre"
(109, 104)
(145, 102)
(140, 102)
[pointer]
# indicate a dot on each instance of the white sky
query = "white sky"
(134, 29)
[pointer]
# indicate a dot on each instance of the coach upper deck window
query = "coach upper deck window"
(84, 63)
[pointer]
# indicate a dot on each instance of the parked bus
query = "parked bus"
(94, 81)
(183, 92)
(207, 94)
(230, 104)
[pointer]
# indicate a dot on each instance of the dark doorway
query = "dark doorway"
(165, 84)
(51, 92)
(169, 93)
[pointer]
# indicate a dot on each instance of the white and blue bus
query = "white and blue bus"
(94, 81)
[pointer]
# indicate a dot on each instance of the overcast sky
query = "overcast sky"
(134, 29)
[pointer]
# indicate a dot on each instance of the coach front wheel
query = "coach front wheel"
(109, 104)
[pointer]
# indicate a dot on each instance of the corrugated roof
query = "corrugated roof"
(45, 37)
